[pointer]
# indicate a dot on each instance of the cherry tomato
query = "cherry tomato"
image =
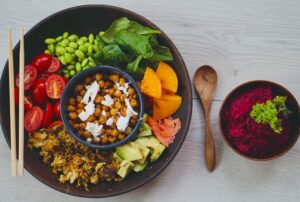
(55, 85)
(42, 62)
(54, 66)
(55, 123)
(44, 76)
(38, 92)
(66, 80)
(27, 101)
(33, 119)
(56, 109)
(30, 74)
(48, 116)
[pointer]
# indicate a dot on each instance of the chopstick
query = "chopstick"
(13, 155)
(21, 106)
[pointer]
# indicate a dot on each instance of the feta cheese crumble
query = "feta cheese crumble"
(83, 116)
(93, 128)
(124, 88)
(91, 93)
(129, 110)
(109, 121)
(103, 113)
(90, 108)
(108, 101)
(122, 123)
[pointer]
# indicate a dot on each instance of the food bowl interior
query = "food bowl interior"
(83, 20)
(69, 92)
(291, 103)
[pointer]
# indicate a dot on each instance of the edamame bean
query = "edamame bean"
(90, 49)
(70, 49)
(80, 42)
(65, 42)
(65, 35)
(59, 38)
(96, 48)
(70, 67)
(101, 33)
(73, 45)
(78, 66)
(65, 71)
(91, 59)
(72, 72)
(50, 41)
(84, 62)
(92, 64)
(91, 38)
(83, 48)
(63, 60)
(85, 68)
(73, 37)
(51, 48)
(79, 54)
(47, 52)
(69, 57)
(83, 38)
(67, 75)
(59, 50)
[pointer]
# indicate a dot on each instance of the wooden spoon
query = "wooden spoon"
(205, 81)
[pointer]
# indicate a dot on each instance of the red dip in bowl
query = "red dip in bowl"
(244, 134)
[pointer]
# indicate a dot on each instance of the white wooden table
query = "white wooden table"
(243, 40)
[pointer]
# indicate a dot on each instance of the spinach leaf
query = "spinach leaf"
(140, 29)
(119, 24)
(161, 53)
(111, 55)
(135, 43)
(133, 67)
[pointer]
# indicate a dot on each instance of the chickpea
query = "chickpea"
(72, 101)
(80, 132)
(82, 125)
(98, 99)
(105, 108)
(117, 105)
(88, 80)
(128, 130)
(102, 119)
(104, 139)
(112, 139)
(121, 136)
(76, 126)
(101, 83)
(78, 88)
(114, 132)
(91, 118)
(73, 115)
(123, 111)
(118, 93)
(122, 81)
(131, 91)
(98, 76)
(97, 112)
(115, 87)
(80, 106)
(98, 106)
(86, 134)
(133, 102)
(71, 108)
(78, 111)
(132, 121)
(78, 99)
(115, 119)
(111, 91)
(108, 115)
(82, 92)
(122, 98)
(113, 111)
(107, 131)
(114, 77)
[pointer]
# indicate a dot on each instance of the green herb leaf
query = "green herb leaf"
(111, 55)
(119, 24)
(140, 29)
(133, 67)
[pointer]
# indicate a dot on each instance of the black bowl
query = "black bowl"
(69, 90)
(83, 20)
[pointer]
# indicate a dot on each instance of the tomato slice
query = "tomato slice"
(42, 62)
(55, 85)
(33, 119)
(56, 109)
(27, 101)
(30, 75)
(48, 116)
(54, 66)
(55, 123)
(38, 92)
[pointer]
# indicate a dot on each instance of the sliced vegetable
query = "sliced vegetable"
(30, 75)
(42, 62)
(54, 66)
(33, 119)
(165, 129)
(55, 85)
(27, 101)
(56, 109)
(151, 84)
(38, 92)
(166, 106)
(48, 115)
(55, 124)
(167, 76)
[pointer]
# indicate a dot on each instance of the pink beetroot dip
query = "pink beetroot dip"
(248, 137)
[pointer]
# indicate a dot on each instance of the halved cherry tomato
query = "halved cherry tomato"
(42, 62)
(66, 80)
(55, 85)
(48, 116)
(44, 76)
(55, 123)
(38, 92)
(27, 101)
(30, 74)
(54, 66)
(33, 119)
(56, 109)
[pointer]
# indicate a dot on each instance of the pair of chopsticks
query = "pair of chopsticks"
(17, 166)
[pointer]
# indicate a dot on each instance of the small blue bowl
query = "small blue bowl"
(69, 90)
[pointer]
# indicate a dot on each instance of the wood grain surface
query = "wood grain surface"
(243, 40)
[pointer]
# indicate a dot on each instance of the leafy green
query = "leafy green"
(161, 53)
(119, 24)
(111, 55)
(135, 43)
(267, 113)
(133, 67)
(140, 29)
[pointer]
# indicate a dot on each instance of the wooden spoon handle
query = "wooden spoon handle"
(210, 154)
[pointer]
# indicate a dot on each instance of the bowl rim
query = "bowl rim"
(74, 80)
(188, 89)
(240, 86)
